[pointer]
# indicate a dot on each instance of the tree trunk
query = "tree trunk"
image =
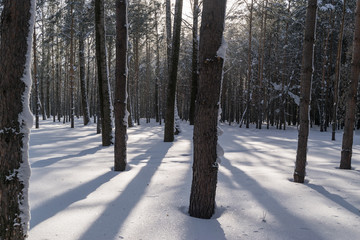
(248, 93)
(103, 80)
(205, 166)
(84, 100)
(168, 34)
(157, 71)
(305, 90)
(195, 62)
(284, 76)
(136, 79)
(323, 84)
(72, 67)
(36, 83)
(337, 73)
(262, 88)
(348, 136)
(171, 92)
(120, 86)
(16, 32)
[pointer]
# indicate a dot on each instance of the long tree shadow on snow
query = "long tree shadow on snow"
(50, 161)
(271, 204)
(58, 203)
(335, 198)
(118, 210)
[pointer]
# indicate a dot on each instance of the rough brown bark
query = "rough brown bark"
(205, 166)
(171, 91)
(348, 136)
(305, 90)
(104, 91)
(15, 48)
(120, 85)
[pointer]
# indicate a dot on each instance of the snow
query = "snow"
(25, 119)
(221, 52)
(75, 195)
(327, 7)
(295, 97)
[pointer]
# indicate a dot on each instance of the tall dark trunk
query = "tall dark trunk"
(205, 166)
(249, 73)
(157, 72)
(348, 136)
(195, 62)
(305, 90)
(16, 32)
(103, 80)
(36, 83)
(171, 91)
(84, 99)
(337, 73)
(72, 67)
(120, 85)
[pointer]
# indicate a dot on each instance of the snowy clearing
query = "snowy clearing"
(74, 194)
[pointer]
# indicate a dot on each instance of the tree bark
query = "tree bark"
(72, 67)
(348, 136)
(337, 74)
(16, 32)
(305, 90)
(36, 83)
(157, 70)
(249, 73)
(120, 85)
(171, 92)
(103, 80)
(195, 62)
(205, 166)
(84, 99)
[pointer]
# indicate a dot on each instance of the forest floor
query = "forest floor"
(75, 195)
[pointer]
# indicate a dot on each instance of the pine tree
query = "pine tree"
(120, 105)
(305, 90)
(16, 33)
(103, 80)
(211, 59)
(347, 142)
(171, 91)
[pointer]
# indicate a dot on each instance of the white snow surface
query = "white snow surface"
(75, 195)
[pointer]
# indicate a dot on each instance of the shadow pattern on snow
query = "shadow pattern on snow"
(122, 206)
(335, 198)
(58, 203)
(51, 161)
(269, 203)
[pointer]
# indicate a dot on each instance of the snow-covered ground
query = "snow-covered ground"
(74, 194)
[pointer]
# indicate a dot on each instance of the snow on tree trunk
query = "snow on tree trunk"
(211, 59)
(305, 90)
(348, 136)
(120, 104)
(15, 116)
